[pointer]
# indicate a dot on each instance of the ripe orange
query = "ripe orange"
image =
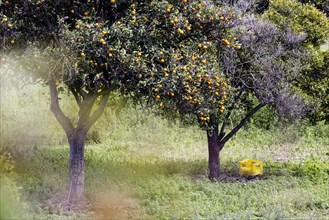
(180, 31)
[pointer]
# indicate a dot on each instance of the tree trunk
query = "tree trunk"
(213, 150)
(77, 135)
(76, 178)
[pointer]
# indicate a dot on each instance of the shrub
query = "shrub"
(11, 204)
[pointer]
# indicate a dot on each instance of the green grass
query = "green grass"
(141, 166)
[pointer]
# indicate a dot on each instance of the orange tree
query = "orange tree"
(256, 61)
(32, 31)
(163, 52)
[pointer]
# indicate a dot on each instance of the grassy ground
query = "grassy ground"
(140, 166)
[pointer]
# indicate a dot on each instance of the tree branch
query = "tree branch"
(76, 96)
(232, 106)
(63, 120)
(222, 131)
(242, 122)
(85, 110)
(98, 113)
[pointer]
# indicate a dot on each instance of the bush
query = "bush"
(11, 204)
(313, 169)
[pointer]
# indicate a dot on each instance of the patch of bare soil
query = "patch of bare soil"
(103, 205)
(115, 205)
(59, 204)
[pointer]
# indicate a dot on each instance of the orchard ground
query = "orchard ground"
(143, 167)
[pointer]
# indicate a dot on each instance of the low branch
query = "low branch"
(242, 122)
(230, 108)
(77, 97)
(85, 110)
(63, 120)
(83, 93)
(222, 131)
(98, 113)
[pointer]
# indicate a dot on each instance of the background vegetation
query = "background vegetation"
(141, 166)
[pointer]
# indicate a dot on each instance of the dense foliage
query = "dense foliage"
(306, 19)
(301, 18)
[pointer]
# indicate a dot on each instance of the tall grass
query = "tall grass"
(141, 166)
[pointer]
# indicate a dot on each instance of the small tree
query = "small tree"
(32, 32)
(260, 61)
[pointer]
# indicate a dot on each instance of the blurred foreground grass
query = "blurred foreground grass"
(141, 166)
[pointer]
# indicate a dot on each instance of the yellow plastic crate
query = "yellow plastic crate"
(251, 167)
